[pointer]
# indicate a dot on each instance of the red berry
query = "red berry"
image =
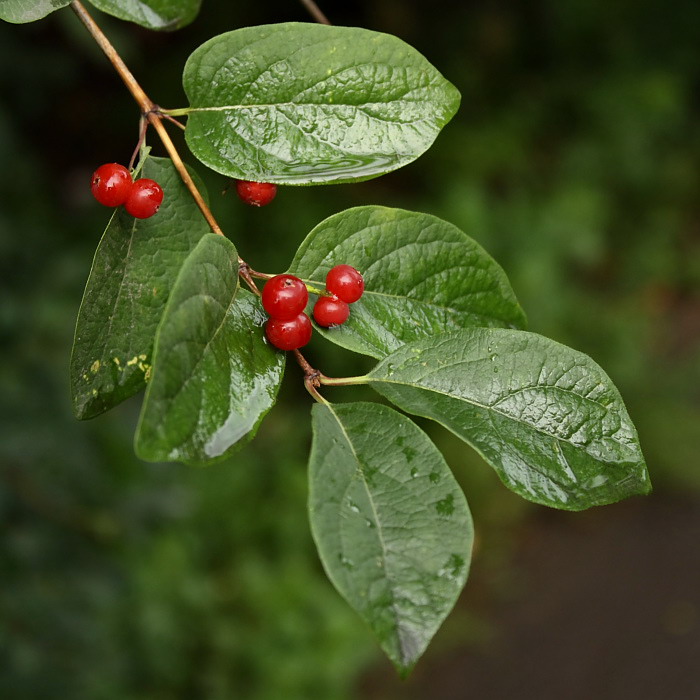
(257, 194)
(330, 311)
(284, 297)
(144, 198)
(289, 335)
(346, 283)
(111, 184)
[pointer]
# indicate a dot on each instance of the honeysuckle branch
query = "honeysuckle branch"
(154, 116)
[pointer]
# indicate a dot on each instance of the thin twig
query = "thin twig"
(173, 120)
(311, 388)
(184, 173)
(143, 127)
(315, 12)
(260, 275)
(244, 271)
(309, 372)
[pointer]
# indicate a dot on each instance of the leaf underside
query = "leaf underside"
(544, 416)
(299, 103)
(423, 277)
(391, 524)
(21, 11)
(214, 375)
(135, 266)
(163, 15)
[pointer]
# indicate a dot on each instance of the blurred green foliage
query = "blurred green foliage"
(574, 161)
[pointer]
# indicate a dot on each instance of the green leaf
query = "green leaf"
(544, 416)
(134, 269)
(214, 375)
(165, 15)
(21, 11)
(307, 103)
(390, 522)
(423, 276)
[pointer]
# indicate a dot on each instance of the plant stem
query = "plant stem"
(315, 378)
(315, 12)
(309, 372)
(143, 125)
(311, 388)
(173, 120)
(260, 275)
(135, 89)
(180, 112)
(157, 123)
(343, 381)
(244, 272)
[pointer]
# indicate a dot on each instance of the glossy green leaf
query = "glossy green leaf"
(165, 15)
(21, 11)
(135, 266)
(214, 375)
(423, 276)
(307, 103)
(544, 416)
(390, 522)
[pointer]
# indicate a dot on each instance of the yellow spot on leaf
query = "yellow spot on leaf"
(144, 368)
(95, 366)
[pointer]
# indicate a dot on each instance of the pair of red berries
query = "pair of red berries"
(113, 186)
(344, 285)
(285, 297)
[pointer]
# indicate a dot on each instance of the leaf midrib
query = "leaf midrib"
(487, 408)
(171, 399)
(380, 532)
(328, 105)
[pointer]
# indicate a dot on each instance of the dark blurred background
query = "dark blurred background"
(574, 161)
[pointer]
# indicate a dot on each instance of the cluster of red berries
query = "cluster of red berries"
(285, 297)
(113, 186)
(257, 194)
